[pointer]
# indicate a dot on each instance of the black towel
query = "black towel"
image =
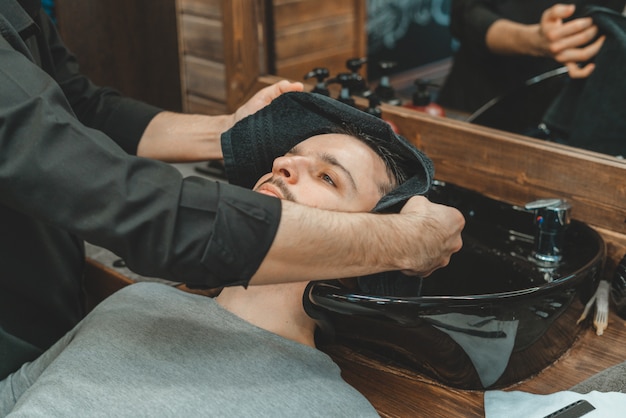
(251, 146)
(590, 113)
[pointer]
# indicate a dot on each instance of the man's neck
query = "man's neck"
(275, 308)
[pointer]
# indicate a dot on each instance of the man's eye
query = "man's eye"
(328, 179)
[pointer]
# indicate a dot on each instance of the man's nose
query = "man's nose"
(289, 168)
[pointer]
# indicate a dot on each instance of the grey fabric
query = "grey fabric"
(612, 379)
(153, 350)
(251, 146)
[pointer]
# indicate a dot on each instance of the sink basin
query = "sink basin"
(493, 317)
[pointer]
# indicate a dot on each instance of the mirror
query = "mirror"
(540, 106)
(397, 30)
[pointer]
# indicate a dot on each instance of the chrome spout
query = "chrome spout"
(552, 217)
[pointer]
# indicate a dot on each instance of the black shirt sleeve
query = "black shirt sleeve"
(120, 118)
(470, 20)
(59, 171)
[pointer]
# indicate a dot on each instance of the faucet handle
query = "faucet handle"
(551, 212)
(552, 216)
(544, 203)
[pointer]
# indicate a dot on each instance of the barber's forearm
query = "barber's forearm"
(176, 137)
(506, 37)
(312, 244)
(567, 41)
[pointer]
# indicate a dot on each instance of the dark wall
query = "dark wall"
(411, 33)
(129, 45)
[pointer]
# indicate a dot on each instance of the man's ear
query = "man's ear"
(322, 320)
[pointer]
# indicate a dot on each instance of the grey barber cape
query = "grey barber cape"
(153, 350)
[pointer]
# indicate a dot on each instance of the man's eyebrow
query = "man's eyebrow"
(329, 159)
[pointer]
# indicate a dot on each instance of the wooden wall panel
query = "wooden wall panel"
(211, 9)
(309, 34)
(203, 37)
(304, 34)
(245, 54)
(221, 52)
(143, 65)
(296, 12)
(316, 38)
(201, 46)
(206, 79)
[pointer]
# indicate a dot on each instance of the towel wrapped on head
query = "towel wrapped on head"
(251, 146)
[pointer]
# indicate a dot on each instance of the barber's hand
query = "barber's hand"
(437, 236)
(569, 42)
(264, 97)
(177, 137)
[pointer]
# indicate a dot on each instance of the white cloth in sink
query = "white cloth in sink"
(516, 404)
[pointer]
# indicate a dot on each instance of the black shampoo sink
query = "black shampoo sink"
(493, 317)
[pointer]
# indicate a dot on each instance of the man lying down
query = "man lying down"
(153, 350)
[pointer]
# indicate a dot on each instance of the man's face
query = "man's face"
(330, 171)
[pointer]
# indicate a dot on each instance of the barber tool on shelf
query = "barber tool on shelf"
(320, 74)
(360, 85)
(618, 289)
(347, 81)
(384, 90)
(422, 99)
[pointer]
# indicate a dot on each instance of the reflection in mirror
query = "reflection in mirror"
(410, 33)
(587, 113)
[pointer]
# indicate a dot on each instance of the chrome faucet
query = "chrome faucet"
(552, 217)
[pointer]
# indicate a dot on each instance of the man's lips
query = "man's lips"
(270, 190)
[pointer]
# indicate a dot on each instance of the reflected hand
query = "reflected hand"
(437, 231)
(569, 42)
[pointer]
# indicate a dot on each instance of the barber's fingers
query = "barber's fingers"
(265, 96)
(558, 12)
(573, 41)
(572, 58)
(280, 87)
(437, 237)
(555, 30)
(559, 35)
(580, 54)
(418, 204)
(575, 71)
